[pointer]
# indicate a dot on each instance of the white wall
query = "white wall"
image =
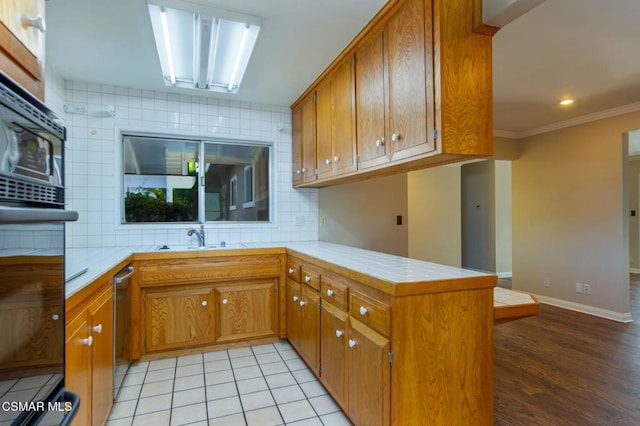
(93, 161)
(503, 216)
(435, 215)
(363, 214)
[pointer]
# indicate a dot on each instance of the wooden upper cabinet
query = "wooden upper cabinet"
(410, 89)
(423, 92)
(304, 141)
(324, 142)
(371, 102)
(296, 136)
(22, 43)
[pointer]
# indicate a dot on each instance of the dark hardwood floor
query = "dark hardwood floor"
(568, 368)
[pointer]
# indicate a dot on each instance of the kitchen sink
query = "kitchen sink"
(166, 247)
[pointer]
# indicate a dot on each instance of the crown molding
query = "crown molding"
(625, 109)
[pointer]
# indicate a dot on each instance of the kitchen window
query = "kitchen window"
(180, 180)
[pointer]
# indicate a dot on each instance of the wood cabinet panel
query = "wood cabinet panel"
(371, 101)
(296, 146)
(22, 48)
(78, 365)
(309, 330)
(333, 352)
(308, 139)
(324, 139)
(311, 276)
(369, 376)
(293, 313)
(246, 310)
(101, 316)
(410, 106)
(178, 318)
(293, 270)
(343, 122)
(371, 312)
(334, 289)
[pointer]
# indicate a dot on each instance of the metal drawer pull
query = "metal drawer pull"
(363, 310)
(327, 161)
(291, 270)
(204, 303)
(225, 301)
(295, 298)
(339, 333)
(329, 292)
(98, 328)
(88, 341)
(352, 343)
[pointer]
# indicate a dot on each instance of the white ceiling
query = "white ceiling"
(586, 49)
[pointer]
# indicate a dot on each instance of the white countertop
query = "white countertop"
(379, 265)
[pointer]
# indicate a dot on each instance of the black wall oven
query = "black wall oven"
(32, 293)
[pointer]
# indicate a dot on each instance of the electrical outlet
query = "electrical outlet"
(587, 289)
(323, 221)
(547, 282)
(579, 288)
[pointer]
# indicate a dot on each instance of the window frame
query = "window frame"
(202, 139)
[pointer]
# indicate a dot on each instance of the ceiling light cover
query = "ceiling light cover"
(201, 47)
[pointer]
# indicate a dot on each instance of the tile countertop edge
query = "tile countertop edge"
(379, 266)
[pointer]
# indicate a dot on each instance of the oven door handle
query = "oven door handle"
(30, 215)
(124, 274)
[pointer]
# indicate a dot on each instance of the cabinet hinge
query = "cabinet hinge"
(390, 357)
(435, 135)
(357, 159)
(320, 368)
(320, 306)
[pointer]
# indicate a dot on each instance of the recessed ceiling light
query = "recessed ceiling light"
(567, 102)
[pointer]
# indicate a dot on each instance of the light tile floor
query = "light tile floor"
(259, 385)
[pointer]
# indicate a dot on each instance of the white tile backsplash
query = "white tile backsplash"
(92, 183)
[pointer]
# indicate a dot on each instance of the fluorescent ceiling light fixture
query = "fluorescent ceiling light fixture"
(202, 47)
(566, 102)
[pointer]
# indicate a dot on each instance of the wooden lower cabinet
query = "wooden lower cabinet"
(89, 359)
(368, 375)
(293, 313)
(246, 310)
(309, 331)
(333, 353)
(176, 318)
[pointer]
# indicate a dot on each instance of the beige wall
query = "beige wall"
(570, 218)
(503, 217)
(363, 214)
(434, 215)
(634, 177)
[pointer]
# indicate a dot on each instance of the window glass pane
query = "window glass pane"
(236, 182)
(160, 180)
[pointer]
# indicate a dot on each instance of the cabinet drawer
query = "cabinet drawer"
(334, 291)
(293, 270)
(311, 276)
(371, 312)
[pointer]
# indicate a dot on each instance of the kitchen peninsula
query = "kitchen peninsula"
(393, 339)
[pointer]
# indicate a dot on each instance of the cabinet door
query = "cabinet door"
(22, 48)
(175, 319)
(370, 102)
(296, 137)
(101, 316)
(309, 332)
(333, 344)
(343, 113)
(410, 107)
(293, 313)
(308, 138)
(246, 310)
(77, 376)
(324, 143)
(369, 376)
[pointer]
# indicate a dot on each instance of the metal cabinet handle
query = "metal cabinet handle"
(225, 301)
(363, 310)
(307, 278)
(352, 343)
(327, 161)
(302, 303)
(98, 328)
(34, 22)
(339, 333)
(395, 137)
(336, 159)
(295, 298)
(204, 303)
(379, 143)
(329, 292)
(88, 341)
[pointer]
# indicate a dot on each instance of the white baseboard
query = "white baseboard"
(586, 309)
(634, 270)
(504, 274)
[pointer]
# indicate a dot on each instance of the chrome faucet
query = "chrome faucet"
(198, 233)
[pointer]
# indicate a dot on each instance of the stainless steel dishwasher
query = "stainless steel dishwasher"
(121, 326)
